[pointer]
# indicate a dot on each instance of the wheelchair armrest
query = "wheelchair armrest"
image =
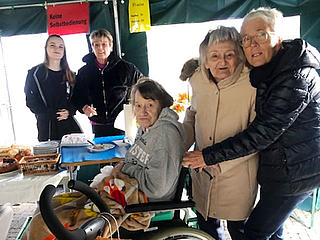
(157, 206)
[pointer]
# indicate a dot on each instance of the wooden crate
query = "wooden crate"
(40, 164)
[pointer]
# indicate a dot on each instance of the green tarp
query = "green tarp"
(29, 20)
(191, 11)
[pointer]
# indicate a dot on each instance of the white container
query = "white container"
(129, 123)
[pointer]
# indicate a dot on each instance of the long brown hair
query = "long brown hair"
(68, 75)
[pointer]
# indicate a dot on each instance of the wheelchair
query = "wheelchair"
(173, 228)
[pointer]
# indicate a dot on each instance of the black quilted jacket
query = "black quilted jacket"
(105, 89)
(286, 130)
(46, 93)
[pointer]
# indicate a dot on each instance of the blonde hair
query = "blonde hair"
(101, 33)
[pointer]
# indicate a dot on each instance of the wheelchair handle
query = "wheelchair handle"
(90, 193)
(52, 221)
(88, 229)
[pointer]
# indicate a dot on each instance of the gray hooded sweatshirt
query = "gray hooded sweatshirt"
(154, 159)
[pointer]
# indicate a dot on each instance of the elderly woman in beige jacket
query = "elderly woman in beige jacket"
(222, 105)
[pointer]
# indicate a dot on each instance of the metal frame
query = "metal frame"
(315, 196)
(9, 106)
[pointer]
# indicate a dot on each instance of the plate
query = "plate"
(101, 147)
(74, 144)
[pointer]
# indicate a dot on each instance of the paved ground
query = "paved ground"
(294, 230)
(20, 215)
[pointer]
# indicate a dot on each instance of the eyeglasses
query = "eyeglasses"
(260, 37)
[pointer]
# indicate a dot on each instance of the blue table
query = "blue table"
(80, 156)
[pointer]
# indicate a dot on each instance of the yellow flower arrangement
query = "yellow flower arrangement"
(181, 103)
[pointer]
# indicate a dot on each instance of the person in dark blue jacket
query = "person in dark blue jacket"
(103, 85)
(48, 90)
(286, 129)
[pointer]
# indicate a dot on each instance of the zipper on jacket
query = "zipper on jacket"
(283, 154)
(103, 89)
(68, 89)
(105, 94)
(217, 93)
(50, 124)
(125, 95)
(39, 87)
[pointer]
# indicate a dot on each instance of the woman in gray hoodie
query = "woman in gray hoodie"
(154, 159)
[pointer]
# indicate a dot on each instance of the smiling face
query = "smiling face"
(102, 48)
(55, 48)
(146, 111)
(222, 60)
(259, 53)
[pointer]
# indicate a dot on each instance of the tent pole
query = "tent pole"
(8, 93)
(116, 26)
(45, 4)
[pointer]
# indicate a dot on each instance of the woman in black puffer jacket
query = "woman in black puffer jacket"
(103, 85)
(286, 130)
(288, 106)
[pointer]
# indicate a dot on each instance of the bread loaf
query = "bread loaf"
(15, 151)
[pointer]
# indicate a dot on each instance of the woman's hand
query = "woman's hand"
(194, 159)
(63, 114)
(89, 111)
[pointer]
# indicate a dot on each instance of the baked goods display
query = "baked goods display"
(74, 139)
(40, 164)
(8, 165)
(15, 151)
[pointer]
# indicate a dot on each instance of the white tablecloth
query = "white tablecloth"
(16, 188)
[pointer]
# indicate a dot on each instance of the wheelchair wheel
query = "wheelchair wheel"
(180, 233)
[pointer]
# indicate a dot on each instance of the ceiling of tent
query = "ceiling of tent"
(29, 20)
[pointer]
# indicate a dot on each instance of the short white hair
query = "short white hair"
(272, 16)
(220, 34)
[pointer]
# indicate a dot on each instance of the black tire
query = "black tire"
(180, 233)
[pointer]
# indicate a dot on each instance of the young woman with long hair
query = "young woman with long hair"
(48, 91)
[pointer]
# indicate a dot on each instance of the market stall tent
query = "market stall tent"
(29, 17)
(18, 17)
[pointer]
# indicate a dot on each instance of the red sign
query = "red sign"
(68, 18)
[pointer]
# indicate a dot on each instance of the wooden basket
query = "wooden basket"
(40, 164)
